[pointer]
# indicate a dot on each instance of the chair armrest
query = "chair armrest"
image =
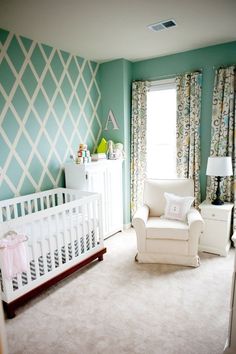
(195, 220)
(196, 227)
(139, 223)
(141, 216)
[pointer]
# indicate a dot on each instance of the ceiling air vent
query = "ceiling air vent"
(159, 26)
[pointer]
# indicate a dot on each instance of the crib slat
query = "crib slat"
(100, 224)
(29, 257)
(67, 197)
(65, 236)
(78, 228)
(43, 240)
(41, 204)
(58, 240)
(25, 206)
(59, 198)
(48, 201)
(89, 205)
(51, 245)
(15, 211)
(22, 209)
(84, 231)
(53, 199)
(7, 287)
(33, 202)
(29, 207)
(95, 220)
(36, 205)
(8, 213)
(72, 232)
(26, 279)
(35, 252)
(19, 281)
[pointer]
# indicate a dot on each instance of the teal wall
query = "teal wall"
(50, 102)
(206, 59)
(115, 81)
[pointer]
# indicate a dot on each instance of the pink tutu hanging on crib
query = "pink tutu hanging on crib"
(13, 252)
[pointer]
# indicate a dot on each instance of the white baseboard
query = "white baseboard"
(127, 226)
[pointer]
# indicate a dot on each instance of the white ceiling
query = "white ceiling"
(103, 30)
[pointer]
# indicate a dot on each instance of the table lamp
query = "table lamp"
(219, 167)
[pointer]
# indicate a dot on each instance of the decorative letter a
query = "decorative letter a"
(111, 119)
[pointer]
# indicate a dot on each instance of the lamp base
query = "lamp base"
(217, 202)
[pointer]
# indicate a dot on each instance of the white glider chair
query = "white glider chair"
(167, 227)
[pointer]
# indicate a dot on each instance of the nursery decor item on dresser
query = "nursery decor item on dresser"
(167, 227)
(189, 88)
(62, 231)
(104, 177)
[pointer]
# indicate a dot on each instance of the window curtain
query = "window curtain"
(188, 88)
(223, 130)
(138, 142)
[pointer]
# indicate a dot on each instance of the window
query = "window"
(161, 130)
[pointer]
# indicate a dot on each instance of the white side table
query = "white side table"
(216, 235)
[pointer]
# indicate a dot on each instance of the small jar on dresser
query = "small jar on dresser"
(216, 235)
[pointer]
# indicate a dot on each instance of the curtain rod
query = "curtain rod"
(172, 75)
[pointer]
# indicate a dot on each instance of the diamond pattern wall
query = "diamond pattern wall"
(49, 103)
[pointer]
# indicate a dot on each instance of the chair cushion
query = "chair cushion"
(154, 192)
(159, 228)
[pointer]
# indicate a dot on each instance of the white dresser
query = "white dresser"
(104, 177)
(216, 235)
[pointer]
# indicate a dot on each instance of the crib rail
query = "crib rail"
(67, 231)
(21, 206)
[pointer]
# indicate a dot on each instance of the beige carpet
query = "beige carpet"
(118, 306)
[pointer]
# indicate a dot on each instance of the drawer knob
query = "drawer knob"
(213, 215)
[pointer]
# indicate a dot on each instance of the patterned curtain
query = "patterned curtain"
(138, 142)
(223, 129)
(188, 128)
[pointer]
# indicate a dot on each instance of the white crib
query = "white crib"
(64, 230)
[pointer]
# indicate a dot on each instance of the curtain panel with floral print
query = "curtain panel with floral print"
(223, 130)
(138, 142)
(189, 88)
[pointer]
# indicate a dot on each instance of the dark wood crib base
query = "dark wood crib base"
(11, 307)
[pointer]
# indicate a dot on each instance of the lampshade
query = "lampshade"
(219, 166)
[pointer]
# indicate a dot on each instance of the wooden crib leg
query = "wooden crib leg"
(9, 310)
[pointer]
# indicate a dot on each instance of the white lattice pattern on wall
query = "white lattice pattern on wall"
(49, 103)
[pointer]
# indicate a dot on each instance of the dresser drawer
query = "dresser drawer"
(214, 214)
